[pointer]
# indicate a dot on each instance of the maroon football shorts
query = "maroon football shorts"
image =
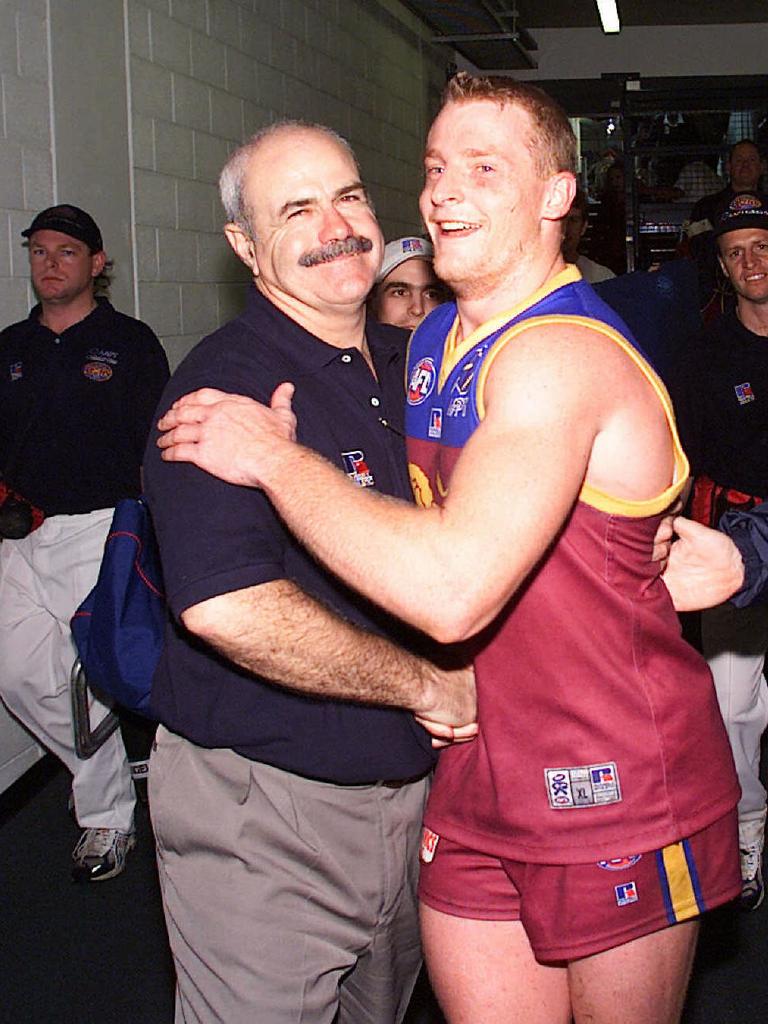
(574, 910)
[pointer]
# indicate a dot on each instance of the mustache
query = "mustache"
(351, 245)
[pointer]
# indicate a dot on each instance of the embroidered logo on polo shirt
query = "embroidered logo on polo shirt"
(102, 355)
(97, 371)
(744, 393)
(356, 468)
(16, 371)
(587, 786)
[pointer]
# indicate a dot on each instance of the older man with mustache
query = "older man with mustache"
(290, 772)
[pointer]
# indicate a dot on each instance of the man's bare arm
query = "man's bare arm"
(447, 570)
(277, 631)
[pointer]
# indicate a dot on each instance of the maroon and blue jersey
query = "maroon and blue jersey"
(600, 735)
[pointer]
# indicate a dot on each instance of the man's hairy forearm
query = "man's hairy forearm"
(278, 632)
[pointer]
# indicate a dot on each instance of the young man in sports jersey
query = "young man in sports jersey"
(596, 808)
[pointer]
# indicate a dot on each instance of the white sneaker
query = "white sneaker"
(752, 889)
(100, 854)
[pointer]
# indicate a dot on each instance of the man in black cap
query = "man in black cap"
(78, 385)
(723, 415)
(744, 166)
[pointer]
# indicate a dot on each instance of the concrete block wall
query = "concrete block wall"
(187, 81)
(205, 74)
(26, 169)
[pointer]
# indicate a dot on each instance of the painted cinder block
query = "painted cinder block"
(151, 93)
(170, 43)
(173, 149)
(155, 199)
(191, 102)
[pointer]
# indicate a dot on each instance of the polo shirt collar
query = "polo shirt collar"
(102, 310)
(305, 349)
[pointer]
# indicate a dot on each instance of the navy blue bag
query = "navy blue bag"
(118, 629)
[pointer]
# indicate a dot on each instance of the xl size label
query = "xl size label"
(586, 786)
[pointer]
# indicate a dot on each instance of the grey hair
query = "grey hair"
(232, 177)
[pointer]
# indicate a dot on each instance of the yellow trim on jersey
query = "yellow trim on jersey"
(682, 897)
(593, 496)
(454, 350)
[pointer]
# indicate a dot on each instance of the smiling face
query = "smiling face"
(408, 293)
(63, 268)
(485, 198)
(314, 245)
(744, 259)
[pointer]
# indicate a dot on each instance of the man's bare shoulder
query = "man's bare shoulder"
(566, 364)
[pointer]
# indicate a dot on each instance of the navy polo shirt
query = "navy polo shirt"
(76, 408)
(216, 538)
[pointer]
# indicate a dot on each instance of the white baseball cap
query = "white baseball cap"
(402, 249)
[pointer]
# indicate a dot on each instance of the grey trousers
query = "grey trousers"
(286, 900)
(734, 641)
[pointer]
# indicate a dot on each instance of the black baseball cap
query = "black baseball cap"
(70, 220)
(745, 210)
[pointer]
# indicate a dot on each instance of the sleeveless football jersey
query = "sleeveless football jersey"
(600, 734)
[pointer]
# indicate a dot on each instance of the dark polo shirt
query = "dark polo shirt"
(75, 408)
(216, 538)
(722, 405)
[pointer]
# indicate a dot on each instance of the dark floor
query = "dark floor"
(96, 954)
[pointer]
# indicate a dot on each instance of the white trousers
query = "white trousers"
(734, 641)
(43, 578)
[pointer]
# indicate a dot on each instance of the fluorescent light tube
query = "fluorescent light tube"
(609, 15)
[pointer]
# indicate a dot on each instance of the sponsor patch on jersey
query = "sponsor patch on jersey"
(435, 428)
(15, 370)
(587, 786)
(102, 355)
(429, 841)
(97, 371)
(356, 468)
(744, 393)
(458, 406)
(619, 863)
(626, 894)
(422, 381)
(465, 376)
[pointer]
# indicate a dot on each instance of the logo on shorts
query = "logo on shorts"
(587, 786)
(619, 863)
(429, 841)
(626, 894)
(422, 381)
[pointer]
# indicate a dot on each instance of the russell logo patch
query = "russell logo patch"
(744, 393)
(435, 422)
(588, 786)
(626, 894)
(356, 468)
